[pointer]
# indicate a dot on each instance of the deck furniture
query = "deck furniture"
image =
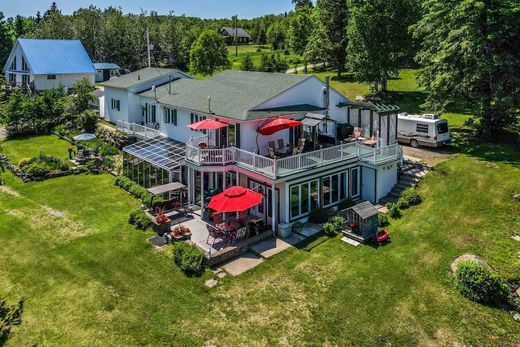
(214, 234)
(272, 144)
(281, 144)
(272, 154)
(372, 142)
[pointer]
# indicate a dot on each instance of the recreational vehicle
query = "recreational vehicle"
(426, 130)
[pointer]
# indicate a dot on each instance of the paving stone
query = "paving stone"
(273, 246)
(211, 283)
(243, 263)
(350, 241)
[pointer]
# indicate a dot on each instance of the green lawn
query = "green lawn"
(28, 147)
(91, 279)
(404, 90)
(257, 56)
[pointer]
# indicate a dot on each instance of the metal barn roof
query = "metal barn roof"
(56, 56)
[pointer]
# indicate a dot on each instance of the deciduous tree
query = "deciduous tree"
(208, 53)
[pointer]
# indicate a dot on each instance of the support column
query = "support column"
(274, 204)
(202, 192)
(189, 187)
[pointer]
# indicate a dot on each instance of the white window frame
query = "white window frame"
(331, 202)
(309, 200)
(358, 185)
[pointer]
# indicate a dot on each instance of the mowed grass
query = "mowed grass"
(31, 146)
(256, 57)
(91, 279)
(404, 90)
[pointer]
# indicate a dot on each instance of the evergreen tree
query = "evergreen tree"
(318, 48)
(208, 53)
(247, 64)
(301, 3)
(378, 39)
(6, 42)
(470, 56)
(333, 15)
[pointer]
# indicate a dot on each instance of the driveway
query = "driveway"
(431, 156)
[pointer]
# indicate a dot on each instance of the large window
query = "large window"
(304, 198)
(13, 64)
(330, 188)
(25, 66)
(354, 182)
(194, 118)
(12, 78)
(51, 77)
(422, 128)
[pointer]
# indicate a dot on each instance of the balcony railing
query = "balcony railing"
(274, 168)
(137, 130)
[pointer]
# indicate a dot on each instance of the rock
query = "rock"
(470, 257)
(211, 283)
(516, 197)
(516, 316)
(516, 237)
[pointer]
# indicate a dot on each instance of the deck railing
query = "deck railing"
(137, 130)
(287, 166)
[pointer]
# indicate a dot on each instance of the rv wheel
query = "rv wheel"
(414, 143)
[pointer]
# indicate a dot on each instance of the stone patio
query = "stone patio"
(243, 263)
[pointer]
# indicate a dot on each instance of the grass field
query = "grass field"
(89, 279)
(257, 56)
(405, 91)
(28, 147)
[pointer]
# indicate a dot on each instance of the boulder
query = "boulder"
(470, 257)
(516, 316)
(516, 197)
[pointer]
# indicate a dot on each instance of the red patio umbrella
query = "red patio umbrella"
(207, 124)
(277, 125)
(235, 199)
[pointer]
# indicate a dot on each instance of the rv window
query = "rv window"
(422, 128)
(442, 128)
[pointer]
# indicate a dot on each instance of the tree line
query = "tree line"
(466, 50)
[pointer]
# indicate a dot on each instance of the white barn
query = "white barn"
(41, 64)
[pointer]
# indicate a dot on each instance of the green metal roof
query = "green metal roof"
(234, 94)
(138, 77)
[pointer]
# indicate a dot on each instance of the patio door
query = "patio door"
(265, 209)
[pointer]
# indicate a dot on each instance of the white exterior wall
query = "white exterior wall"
(248, 137)
(65, 80)
(386, 179)
(115, 115)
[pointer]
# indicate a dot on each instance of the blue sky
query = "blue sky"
(199, 8)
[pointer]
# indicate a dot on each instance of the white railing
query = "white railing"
(287, 166)
(137, 130)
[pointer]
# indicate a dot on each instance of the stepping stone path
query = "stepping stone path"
(220, 272)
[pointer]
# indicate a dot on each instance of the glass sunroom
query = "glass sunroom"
(154, 162)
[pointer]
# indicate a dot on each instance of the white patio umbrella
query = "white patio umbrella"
(84, 137)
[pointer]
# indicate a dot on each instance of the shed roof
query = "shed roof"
(240, 32)
(138, 77)
(234, 94)
(46, 56)
(365, 210)
(106, 66)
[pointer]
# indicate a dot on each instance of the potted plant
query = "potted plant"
(162, 222)
(181, 232)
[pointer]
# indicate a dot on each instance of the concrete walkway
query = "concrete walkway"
(259, 252)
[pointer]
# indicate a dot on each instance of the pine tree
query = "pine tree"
(247, 64)
(470, 57)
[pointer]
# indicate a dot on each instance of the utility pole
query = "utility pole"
(236, 35)
(148, 47)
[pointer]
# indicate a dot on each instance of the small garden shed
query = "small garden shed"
(362, 220)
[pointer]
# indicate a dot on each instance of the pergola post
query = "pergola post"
(189, 187)
(202, 192)
(274, 203)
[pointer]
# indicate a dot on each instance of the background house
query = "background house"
(105, 71)
(229, 34)
(44, 64)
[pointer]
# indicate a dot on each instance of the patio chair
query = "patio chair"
(272, 144)
(281, 144)
(295, 151)
(214, 234)
(272, 155)
(241, 233)
(217, 218)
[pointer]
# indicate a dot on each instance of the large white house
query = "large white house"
(43, 64)
(332, 166)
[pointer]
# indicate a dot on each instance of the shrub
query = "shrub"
(329, 229)
(139, 219)
(42, 165)
(411, 196)
(402, 204)
(478, 283)
(515, 303)
(382, 220)
(334, 226)
(188, 258)
(319, 216)
(134, 189)
(393, 210)
(88, 121)
(346, 203)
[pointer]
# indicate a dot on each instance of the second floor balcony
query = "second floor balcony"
(283, 167)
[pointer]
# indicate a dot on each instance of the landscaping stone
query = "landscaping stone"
(53, 212)
(350, 241)
(470, 257)
(211, 283)
(9, 191)
(516, 197)
(516, 316)
(516, 237)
